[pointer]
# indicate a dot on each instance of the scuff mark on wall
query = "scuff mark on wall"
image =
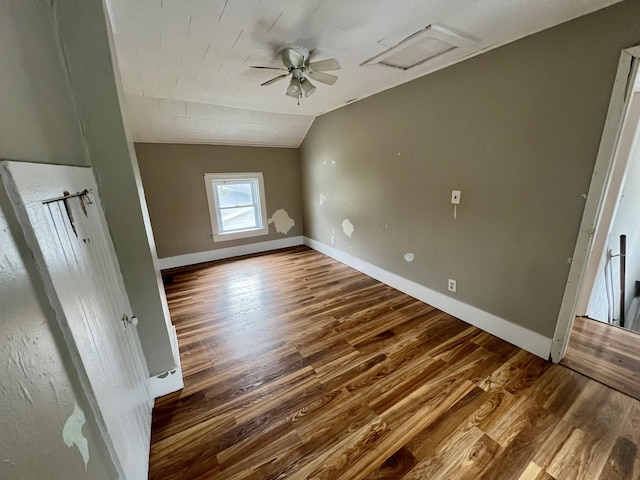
(347, 227)
(282, 221)
(55, 390)
(409, 256)
(19, 362)
(25, 393)
(7, 262)
(72, 433)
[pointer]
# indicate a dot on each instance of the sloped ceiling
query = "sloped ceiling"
(185, 64)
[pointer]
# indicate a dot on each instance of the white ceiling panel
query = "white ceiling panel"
(177, 121)
(186, 64)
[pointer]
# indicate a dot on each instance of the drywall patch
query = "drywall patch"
(409, 256)
(282, 221)
(347, 227)
(72, 433)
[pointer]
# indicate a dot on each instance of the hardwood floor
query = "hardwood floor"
(297, 366)
(606, 353)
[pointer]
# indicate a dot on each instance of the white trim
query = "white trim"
(229, 252)
(517, 335)
(172, 382)
(237, 235)
(592, 218)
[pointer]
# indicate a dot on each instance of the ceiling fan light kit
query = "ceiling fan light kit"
(296, 61)
(307, 87)
(294, 90)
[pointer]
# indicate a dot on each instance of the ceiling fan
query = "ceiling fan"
(297, 64)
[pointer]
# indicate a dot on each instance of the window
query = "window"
(236, 205)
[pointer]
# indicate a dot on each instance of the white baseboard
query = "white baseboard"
(170, 381)
(229, 252)
(517, 335)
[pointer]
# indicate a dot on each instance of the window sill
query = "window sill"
(223, 237)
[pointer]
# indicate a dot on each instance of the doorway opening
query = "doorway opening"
(602, 302)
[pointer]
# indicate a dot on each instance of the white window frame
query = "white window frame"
(214, 208)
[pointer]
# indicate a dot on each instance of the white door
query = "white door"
(67, 232)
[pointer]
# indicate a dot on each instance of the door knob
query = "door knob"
(126, 321)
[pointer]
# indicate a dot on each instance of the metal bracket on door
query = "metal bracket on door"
(66, 196)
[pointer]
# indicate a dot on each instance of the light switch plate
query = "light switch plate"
(455, 197)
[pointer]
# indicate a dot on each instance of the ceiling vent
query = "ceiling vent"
(424, 45)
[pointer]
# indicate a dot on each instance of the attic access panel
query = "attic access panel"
(424, 45)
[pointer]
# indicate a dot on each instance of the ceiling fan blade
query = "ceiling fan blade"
(323, 77)
(268, 68)
(325, 65)
(274, 80)
(292, 58)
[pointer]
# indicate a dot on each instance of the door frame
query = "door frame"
(596, 218)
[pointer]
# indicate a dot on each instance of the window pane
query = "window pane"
(235, 194)
(240, 218)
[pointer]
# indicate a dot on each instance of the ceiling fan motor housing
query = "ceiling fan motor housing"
(296, 63)
(295, 57)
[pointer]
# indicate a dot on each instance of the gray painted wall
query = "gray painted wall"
(516, 129)
(177, 201)
(39, 384)
(86, 44)
(38, 121)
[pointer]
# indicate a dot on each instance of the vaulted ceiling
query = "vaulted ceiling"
(185, 64)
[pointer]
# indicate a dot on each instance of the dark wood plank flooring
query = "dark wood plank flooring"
(297, 366)
(606, 353)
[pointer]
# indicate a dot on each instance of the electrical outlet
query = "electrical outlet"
(455, 197)
(333, 239)
(452, 285)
